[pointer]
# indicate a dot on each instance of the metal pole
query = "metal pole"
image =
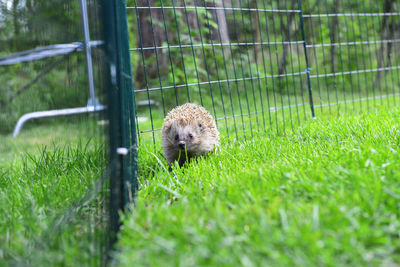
(127, 105)
(86, 34)
(310, 94)
(121, 112)
(54, 113)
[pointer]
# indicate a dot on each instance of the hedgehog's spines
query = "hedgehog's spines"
(197, 119)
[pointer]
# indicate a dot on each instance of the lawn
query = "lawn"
(44, 173)
(326, 194)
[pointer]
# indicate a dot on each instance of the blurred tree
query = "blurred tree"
(218, 16)
(151, 35)
(152, 32)
(333, 35)
(386, 32)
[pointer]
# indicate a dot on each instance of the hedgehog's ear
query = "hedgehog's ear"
(200, 127)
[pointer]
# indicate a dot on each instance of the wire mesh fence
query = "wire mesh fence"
(363, 69)
(256, 65)
(54, 177)
(261, 65)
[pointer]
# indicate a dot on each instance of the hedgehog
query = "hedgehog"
(188, 131)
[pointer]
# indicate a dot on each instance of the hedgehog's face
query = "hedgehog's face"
(185, 137)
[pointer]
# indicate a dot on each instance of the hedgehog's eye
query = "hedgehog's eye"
(176, 137)
(190, 136)
(201, 127)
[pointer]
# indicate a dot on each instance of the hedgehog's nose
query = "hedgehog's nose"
(181, 144)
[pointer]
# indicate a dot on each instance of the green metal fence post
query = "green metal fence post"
(303, 34)
(127, 108)
(121, 111)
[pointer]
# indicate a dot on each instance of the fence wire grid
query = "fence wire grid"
(261, 65)
(256, 65)
(54, 174)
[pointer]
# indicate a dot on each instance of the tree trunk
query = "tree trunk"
(219, 35)
(192, 16)
(15, 17)
(256, 29)
(29, 8)
(387, 8)
(390, 45)
(151, 35)
(15, 42)
(333, 36)
(283, 61)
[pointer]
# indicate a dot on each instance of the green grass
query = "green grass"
(326, 194)
(43, 174)
(14, 149)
